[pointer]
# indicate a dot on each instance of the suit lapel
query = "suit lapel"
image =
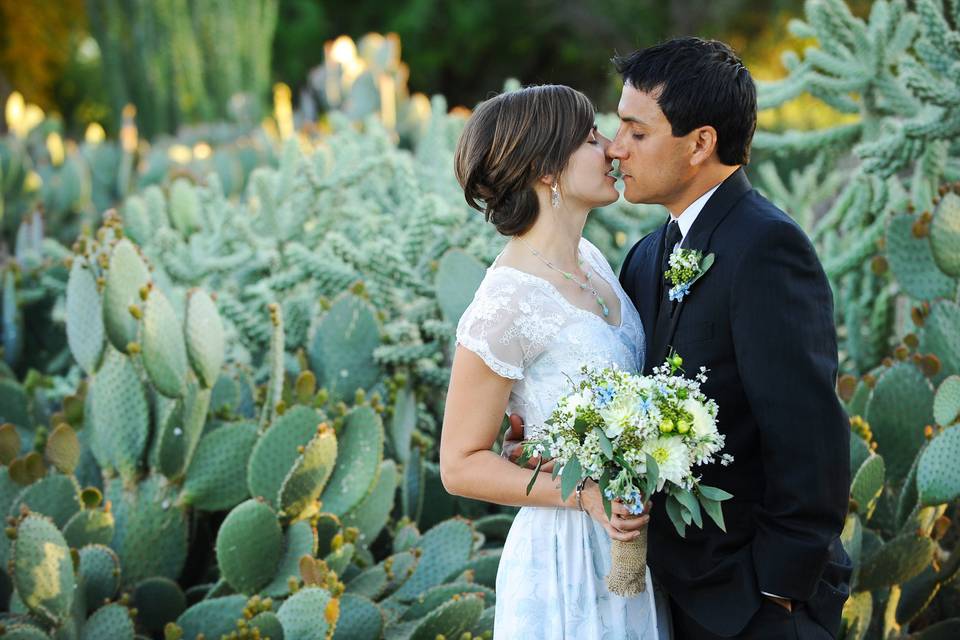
(699, 236)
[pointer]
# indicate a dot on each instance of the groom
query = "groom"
(761, 320)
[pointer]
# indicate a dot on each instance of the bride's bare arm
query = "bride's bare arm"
(476, 400)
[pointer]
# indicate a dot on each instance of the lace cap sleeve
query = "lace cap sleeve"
(505, 324)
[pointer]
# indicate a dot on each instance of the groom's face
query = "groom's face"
(653, 162)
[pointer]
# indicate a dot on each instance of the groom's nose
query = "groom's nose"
(615, 150)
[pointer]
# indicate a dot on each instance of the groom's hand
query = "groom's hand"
(512, 445)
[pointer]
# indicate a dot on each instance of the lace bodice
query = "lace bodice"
(525, 329)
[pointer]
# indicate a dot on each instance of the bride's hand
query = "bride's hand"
(512, 445)
(622, 525)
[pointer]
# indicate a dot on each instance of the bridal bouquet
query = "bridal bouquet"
(635, 435)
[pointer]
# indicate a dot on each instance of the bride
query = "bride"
(533, 162)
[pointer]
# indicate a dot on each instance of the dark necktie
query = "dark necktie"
(670, 240)
(665, 312)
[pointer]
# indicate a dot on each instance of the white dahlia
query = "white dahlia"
(672, 459)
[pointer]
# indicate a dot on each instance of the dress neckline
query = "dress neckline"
(556, 292)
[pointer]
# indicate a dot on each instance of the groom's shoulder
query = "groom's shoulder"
(759, 221)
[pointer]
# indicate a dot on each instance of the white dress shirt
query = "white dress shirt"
(685, 221)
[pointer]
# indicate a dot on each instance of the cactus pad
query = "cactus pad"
(360, 619)
(112, 621)
(308, 614)
(120, 415)
(249, 546)
(217, 476)
(99, 571)
(370, 583)
(300, 540)
(458, 276)
(440, 594)
(899, 408)
(402, 423)
(946, 404)
(150, 532)
(204, 336)
(55, 496)
(938, 474)
(24, 632)
(276, 452)
(857, 613)
(867, 484)
(941, 336)
(896, 561)
(371, 515)
(158, 601)
(945, 234)
(360, 450)
(268, 624)
(89, 526)
(342, 346)
(124, 279)
(450, 619)
(164, 352)
(446, 548)
(41, 568)
(406, 538)
(916, 594)
(911, 261)
(213, 618)
(84, 314)
(309, 473)
(178, 441)
(14, 405)
(63, 448)
(483, 569)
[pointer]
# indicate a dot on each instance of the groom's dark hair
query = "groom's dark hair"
(698, 82)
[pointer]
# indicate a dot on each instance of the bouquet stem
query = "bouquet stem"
(628, 566)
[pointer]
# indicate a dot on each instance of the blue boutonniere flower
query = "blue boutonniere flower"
(686, 267)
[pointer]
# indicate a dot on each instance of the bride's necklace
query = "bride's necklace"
(569, 276)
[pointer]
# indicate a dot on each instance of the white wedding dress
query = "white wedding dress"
(551, 578)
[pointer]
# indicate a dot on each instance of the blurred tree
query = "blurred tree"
(185, 61)
(36, 43)
(465, 50)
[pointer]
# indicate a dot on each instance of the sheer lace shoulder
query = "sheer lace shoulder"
(510, 322)
(597, 259)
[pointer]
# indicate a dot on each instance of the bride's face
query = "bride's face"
(586, 179)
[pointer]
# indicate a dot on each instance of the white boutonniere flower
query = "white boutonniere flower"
(686, 267)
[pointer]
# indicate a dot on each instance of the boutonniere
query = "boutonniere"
(686, 267)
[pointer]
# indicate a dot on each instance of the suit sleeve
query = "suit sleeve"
(786, 349)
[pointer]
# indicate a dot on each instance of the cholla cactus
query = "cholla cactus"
(893, 73)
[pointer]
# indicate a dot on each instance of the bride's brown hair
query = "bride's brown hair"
(514, 139)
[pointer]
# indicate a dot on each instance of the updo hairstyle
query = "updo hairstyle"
(512, 140)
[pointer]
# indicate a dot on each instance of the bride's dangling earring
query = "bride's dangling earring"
(555, 195)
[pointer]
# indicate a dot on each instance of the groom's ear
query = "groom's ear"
(704, 144)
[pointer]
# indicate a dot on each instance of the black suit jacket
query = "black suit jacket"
(761, 321)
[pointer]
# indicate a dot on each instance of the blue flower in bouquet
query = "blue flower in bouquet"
(645, 405)
(604, 395)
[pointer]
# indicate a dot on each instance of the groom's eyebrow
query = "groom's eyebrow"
(632, 119)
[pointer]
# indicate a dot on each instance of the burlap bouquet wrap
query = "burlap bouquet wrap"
(628, 566)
